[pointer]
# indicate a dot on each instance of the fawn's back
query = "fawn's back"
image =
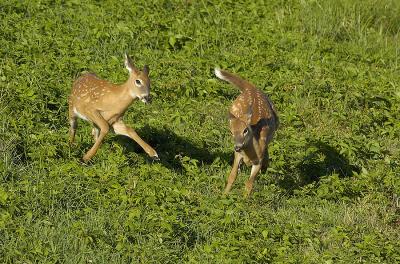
(260, 105)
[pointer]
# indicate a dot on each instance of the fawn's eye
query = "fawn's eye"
(245, 131)
(138, 82)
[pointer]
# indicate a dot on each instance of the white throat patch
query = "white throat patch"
(133, 95)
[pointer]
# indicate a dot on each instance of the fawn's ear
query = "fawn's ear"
(129, 64)
(231, 116)
(146, 70)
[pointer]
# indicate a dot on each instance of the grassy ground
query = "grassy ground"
(331, 194)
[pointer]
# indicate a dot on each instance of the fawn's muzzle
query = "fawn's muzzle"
(146, 99)
(238, 147)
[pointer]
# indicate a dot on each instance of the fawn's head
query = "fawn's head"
(140, 87)
(241, 130)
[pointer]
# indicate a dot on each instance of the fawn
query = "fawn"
(253, 121)
(103, 104)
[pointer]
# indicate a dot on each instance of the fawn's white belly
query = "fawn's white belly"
(80, 115)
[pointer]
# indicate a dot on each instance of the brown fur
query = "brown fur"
(103, 104)
(253, 121)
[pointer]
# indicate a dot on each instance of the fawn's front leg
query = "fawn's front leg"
(263, 156)
(255, 169)
(234, 172)
(121, 129)
(95, 133)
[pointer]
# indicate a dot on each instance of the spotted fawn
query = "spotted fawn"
(103, 104)
(253, 121)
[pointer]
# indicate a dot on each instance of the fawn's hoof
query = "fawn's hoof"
(153, 154)
(86, 158)
(247, 193)
(226, 191)
(155, 157)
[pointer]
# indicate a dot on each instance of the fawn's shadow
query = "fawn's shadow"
(171, 147)
(321, 160)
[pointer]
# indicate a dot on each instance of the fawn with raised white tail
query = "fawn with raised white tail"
(253, 121)
(103, 104)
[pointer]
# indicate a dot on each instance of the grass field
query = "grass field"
(331, 194)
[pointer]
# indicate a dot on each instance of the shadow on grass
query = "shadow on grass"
(170, 147)
(323, 160)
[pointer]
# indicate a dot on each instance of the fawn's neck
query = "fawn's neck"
(126, 91)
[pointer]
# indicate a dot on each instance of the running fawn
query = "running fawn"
(253, 121)
(103, 104)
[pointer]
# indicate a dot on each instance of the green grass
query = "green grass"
(331, 194)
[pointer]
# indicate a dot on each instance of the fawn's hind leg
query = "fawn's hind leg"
(104, 127)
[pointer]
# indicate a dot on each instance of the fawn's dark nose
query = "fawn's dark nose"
(238, 148)
(146, 99)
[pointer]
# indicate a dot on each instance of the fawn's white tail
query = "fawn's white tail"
(233, 79)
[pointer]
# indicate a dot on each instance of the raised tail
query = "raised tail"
(233, 79)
